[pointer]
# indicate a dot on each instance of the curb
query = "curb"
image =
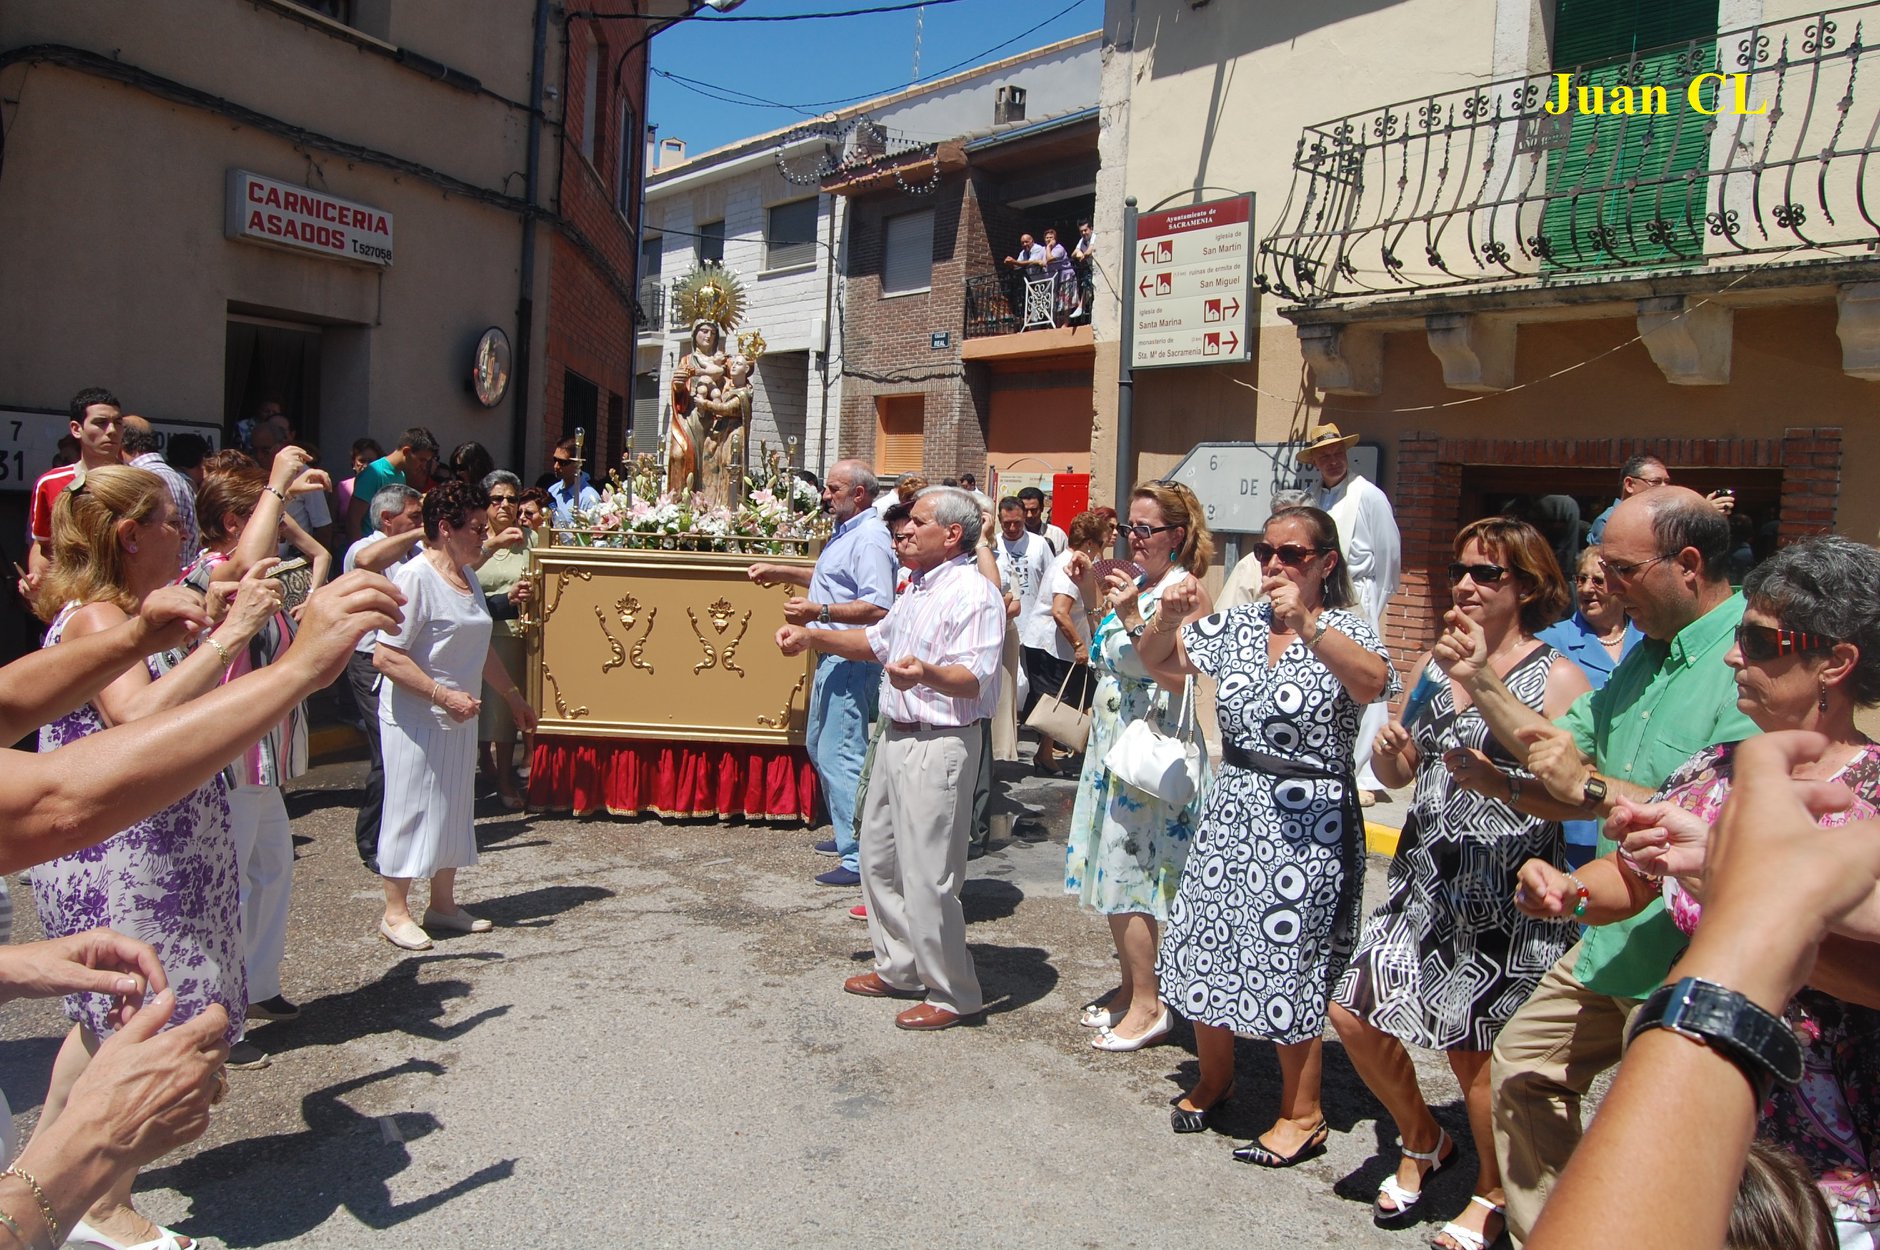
(329, 743)
(1381, 839)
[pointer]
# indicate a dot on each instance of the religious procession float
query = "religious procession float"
(654, 672)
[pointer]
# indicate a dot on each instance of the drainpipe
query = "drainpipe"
(525, 297)
(829, 303)
(1125, 380)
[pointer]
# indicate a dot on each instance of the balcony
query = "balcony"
(1755, 145)
(650, 308)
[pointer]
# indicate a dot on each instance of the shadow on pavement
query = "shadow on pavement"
(274, 1188)
(1012, 976)
(398, 1002)
(984, 899)
(532, 909)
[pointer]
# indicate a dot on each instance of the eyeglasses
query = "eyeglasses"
(1650, 481)
(1626, 572)
(1590, 579)
(1147, 531)
(1766, 642)
(495, 499)
(905, 536)
(1292, 555)
(1481, 574)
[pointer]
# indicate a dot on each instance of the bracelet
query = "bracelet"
(1312, 643)
(7, 1222)
(39, 1196)
(1579, 886)
(436, 695)
(1160, 628)
(1514, 788)
(276, 491)
(227, 659)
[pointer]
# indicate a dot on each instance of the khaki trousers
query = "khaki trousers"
(916, 820)
(1545, 1060)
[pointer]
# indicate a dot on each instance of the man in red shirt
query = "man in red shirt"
(98, 425)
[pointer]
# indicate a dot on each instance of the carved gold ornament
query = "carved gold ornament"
(561, 704)
(783, 717)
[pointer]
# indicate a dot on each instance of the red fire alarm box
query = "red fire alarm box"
(1070, 495)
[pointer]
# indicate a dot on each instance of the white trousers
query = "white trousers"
(916, 819)
(264, 852)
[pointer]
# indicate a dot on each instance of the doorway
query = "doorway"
(268, 362)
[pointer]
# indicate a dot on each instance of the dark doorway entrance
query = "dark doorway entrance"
(276, 362)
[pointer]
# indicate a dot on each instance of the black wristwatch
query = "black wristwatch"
(823, 615)
(1593, 793)
(1761, 1044)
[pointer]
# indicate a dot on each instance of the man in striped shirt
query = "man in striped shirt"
(939, 646)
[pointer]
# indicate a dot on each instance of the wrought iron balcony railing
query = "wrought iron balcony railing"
(989, 308)
(1759, 141)
(650, 310)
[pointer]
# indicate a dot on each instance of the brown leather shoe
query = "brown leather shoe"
(870, 985)
(926, 1018)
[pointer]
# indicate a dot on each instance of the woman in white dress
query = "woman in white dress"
(428, 715)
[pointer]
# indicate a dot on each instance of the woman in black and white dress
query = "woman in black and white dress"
(1447, 958)
(1268, 907)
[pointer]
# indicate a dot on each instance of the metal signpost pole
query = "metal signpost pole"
(1125, 380)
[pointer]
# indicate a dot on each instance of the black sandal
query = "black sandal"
(1182, 1120)
(1254, 1152)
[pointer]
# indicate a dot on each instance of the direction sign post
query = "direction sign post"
(1235, 482)
(1193, 285)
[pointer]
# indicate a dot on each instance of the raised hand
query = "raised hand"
(1391, 741)
(334, 619)
(1182, 598)
(147, 1092)
(1461, 650)
(1555, 760)
(800, 611)
(257, 597)
(98, 961)
(793, 640)
(171, 616)
(1288, 608)
(1472, 770)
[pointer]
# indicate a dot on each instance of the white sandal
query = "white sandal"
(1468, 1238)
(1403, 1199)
(83, 1234)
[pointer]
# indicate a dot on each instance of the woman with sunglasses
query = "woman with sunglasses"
(1268, 907)
(1807, 654)
(1447, 957)
(1125, 849)
(505, 562)
(1596, 637)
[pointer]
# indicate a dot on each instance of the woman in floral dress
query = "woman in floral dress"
(170, 880)
(1126, 847)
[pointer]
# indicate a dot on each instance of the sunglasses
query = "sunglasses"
(905, 536)
(1765, 642)
(1147, 531)
(1292, 555)
(1481, 574)
(495, 499)
(1590, 579)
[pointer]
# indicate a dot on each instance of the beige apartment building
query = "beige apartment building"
(1504, 300)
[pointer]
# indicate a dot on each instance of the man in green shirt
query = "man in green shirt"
(1664, 554)
(415, 447)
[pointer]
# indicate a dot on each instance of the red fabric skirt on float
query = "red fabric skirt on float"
(632, 777)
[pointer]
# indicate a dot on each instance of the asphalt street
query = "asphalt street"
(653, 1049)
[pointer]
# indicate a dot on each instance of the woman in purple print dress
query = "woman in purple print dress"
(169, 880)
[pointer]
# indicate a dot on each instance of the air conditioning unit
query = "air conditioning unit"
(1009, 106)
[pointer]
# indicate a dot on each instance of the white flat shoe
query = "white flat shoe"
(459, 921)
(405, 936)
(1095, 1017)
(83, 1234)
(1108, 1039)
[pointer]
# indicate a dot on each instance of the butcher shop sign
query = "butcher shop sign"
(262, 210)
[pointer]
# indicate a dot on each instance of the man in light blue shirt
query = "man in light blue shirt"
(573, 490)
(851, 585)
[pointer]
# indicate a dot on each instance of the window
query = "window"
(790, 236)
(900, 433)
(590, 101)
(711, 243)
(907, 253)
(652, 258)
(627, 172)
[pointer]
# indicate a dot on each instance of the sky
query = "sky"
(809, 63)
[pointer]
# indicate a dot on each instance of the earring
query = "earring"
(131, 547)
(1824, 696)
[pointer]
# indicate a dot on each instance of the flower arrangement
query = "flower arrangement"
(779, 515)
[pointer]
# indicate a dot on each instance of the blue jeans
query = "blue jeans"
(842, 703)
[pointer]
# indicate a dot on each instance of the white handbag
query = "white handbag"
(1167, 766)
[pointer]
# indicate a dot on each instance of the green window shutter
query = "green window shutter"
(1615, 195)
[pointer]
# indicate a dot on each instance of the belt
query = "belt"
(915, 727)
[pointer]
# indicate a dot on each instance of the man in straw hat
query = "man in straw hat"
(1373, 551)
